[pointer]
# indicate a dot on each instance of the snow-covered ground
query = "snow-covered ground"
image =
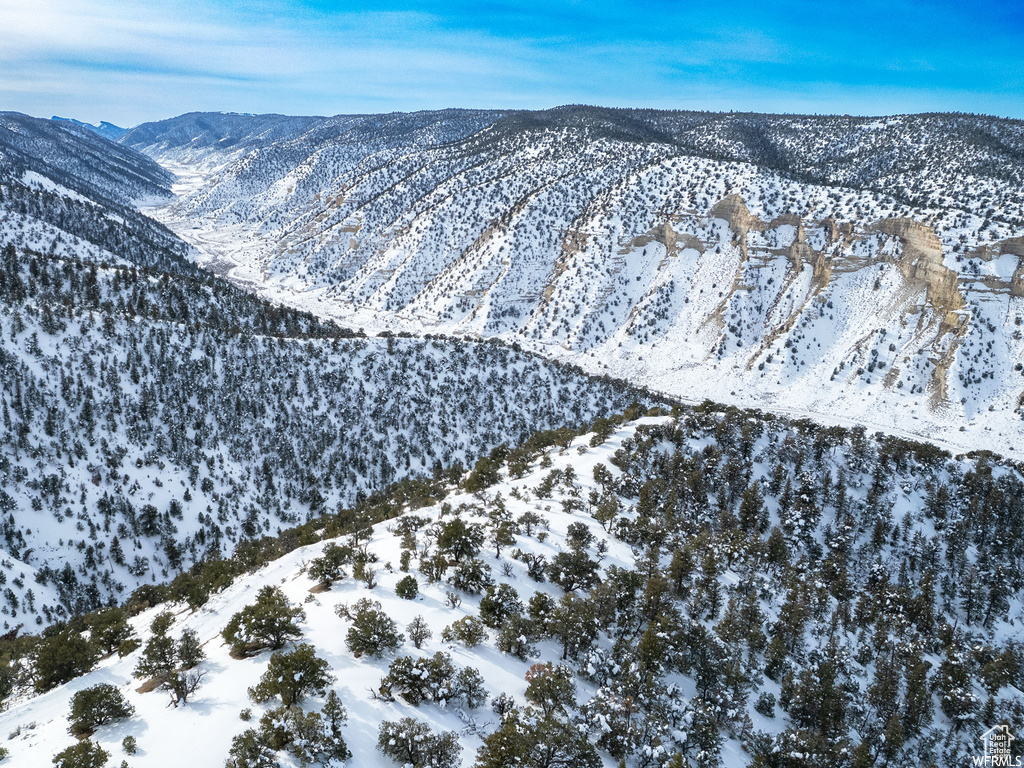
(631, 264)
(200, 732)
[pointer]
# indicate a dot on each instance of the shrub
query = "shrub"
(419, 631)
(468, 630)
(366, 574)
(190, 650)
(484, 475)
(434, 679)
(578, 536)
(434, 567)
(162, 623)
(765, 704)
(498, 604)
(84, 754)
(329, 567)
(172, 664)
(128, 646)
(334, 717)
(304, 734)
(60, 657)
(129, 745)
(470, 686)
(159, 657)
(529, 740)
(250, 749)
(419, 680)
(517, 637)
(502, 704)
(372, 632)
(109, 628)
(573, 570)
(473, 576)
(602, 429)
(292, 676)
(410, 742)
(96, 706)
(460, 540)
(407, 588)
(312, 738)
(8, 679)
(182, 684)
(267, 624)
(551, 687)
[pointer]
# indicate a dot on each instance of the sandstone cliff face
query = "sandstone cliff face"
(799, 251)
(921, 260)
(735, 213)
(1015, 246)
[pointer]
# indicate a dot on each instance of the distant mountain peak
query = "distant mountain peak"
(107, 130)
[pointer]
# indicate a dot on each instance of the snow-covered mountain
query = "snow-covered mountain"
(107, 130)
(708, 586)
(149, 422)
(65, 191)
(717, 589)
(152, 415)
(857, 269)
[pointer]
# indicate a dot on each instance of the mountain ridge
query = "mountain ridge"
(152, 415)
(107, 130)
(717, 586)
(533, 226)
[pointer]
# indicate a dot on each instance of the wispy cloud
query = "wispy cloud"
(128, 62)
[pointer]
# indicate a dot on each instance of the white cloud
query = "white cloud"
(128, 61)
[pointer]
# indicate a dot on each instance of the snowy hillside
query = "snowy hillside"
(721, 589)
(148, 421)
(108, 131)
(65, 191)
(78, 159)
(868, 269)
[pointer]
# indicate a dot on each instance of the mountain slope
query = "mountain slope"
(108, 131)
(720, 587)
(66, 191)
(870, 267)
(148, 421)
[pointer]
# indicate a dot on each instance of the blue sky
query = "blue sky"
(128, 62)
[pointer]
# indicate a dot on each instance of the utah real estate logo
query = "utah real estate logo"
(997, 742)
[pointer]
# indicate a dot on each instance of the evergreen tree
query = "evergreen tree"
(61, 655)
(84, 754)
(267, 624)
(95, 706)
(292, 676)
(410, 742)
(532, 740)
(373, 632)
(419, 631)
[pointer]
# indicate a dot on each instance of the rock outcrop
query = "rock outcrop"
(673, 241)
(1015, 246)
(734, 212)
(1017, 283)
(921, 260)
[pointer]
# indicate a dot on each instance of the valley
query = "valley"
(703, 256)
(469, 439)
